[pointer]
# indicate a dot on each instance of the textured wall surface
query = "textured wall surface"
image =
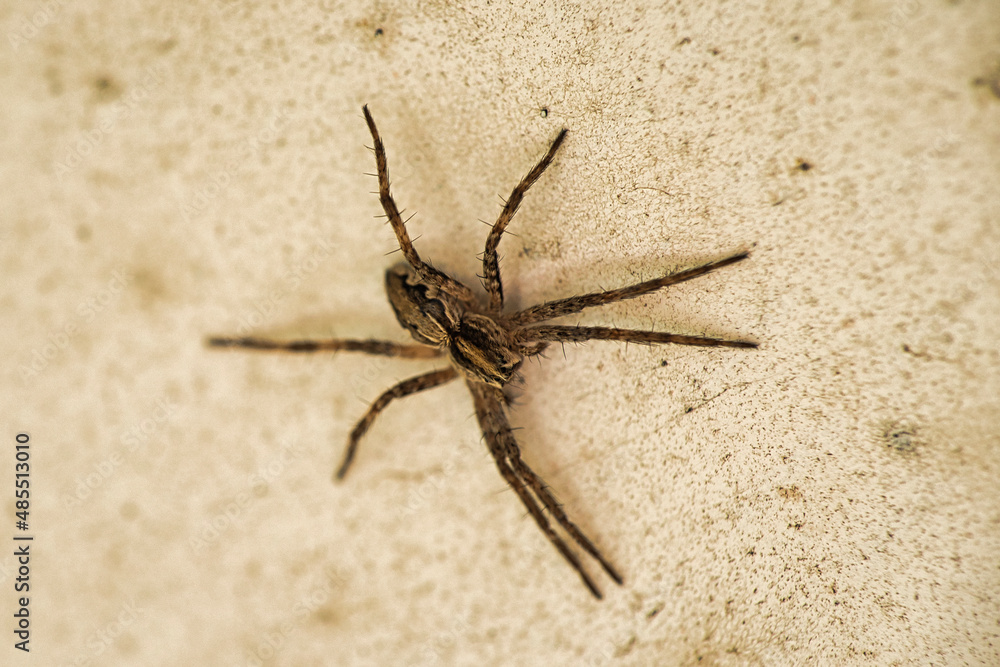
(171, 172)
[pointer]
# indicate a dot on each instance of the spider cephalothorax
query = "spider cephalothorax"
(486, 346)
(480, 348)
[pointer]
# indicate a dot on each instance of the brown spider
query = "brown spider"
(486, 346)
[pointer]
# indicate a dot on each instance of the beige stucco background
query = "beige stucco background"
(174, 171)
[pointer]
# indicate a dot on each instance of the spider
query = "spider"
(485, 346)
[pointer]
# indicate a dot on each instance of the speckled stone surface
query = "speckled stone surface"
(176, 171)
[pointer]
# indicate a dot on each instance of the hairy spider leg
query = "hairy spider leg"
(404, 388)
(525, 482)
(580, 334)
(427, 273)
(574, 304)
(384, 348)
(491, 263)
(544, 493)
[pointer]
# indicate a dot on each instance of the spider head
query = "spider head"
(422, 310)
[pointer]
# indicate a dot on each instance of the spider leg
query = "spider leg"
(574, 304)
(536, 512)
(383, 348)
(404, 388)
(491, 264)
(428, 273)
(542, 491)
(580, 334)
(533, 349)
(503, 447)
